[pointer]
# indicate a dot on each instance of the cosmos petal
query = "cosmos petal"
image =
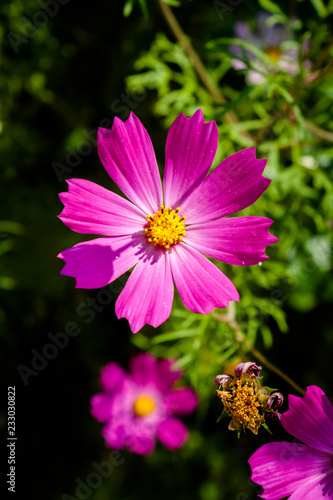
(148, 293)
(112, 376)
(100, 407)
(140, 443)
(201, 285)
(281, 468)
(143, 368)
(113, 433)
(172, 433)
(310, 419)
(128, 156)
(96, 263)
(319, 487)
(167, 374)
(91, 209)
(238, 240)
(190, 149)
(181, 401)
(235, 184)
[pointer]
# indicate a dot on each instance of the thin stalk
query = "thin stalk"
(230, 320)
(321, 75)
(197, 63)
(320, 132)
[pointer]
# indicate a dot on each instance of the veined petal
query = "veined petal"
(148, 293)
(310, 419)
(190, 149)
(91, 209)
(96, 263)
(128, 156)
(172, 433)
(181, 401)
(319, 487)
(235, 184)
(281, 468)
(201, 285)
(237, 240)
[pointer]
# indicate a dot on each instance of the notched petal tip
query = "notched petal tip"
(60, 255)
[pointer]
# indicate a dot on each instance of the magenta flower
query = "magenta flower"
(303, 471)
(139, 407)
(166, 244)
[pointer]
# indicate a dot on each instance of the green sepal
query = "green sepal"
(268, 389)
(267, 428)
(222, 416)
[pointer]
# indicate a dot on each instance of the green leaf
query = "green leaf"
(6, 246)
(179, 334)
(144, 8)
(271, 7)
(128, 7)
(320, 7)
(267, 428)
(173, 3)
(11, 227)
(7, 283)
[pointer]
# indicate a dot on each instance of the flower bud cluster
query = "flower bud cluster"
(245, 400)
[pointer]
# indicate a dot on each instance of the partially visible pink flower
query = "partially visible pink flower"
(304, 471)
(163, 233)
(140, 406)
(271, 39)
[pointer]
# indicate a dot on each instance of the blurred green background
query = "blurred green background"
(69, 67)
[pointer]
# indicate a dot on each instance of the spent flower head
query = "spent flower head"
(245, 400)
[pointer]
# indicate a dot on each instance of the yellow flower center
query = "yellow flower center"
(274, 53)
(166, 227)
(143, 406)
(242, 404)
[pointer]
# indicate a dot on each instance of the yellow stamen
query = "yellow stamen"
(143, 405)
(242, 404)
(165, 228)
(274, 53)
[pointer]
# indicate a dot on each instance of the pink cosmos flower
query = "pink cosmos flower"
(303, 471)
(139, 407)
(163, 233)
(274, 40)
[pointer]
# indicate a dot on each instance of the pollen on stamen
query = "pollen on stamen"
(165, 227)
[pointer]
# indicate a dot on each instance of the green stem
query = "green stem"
(197, 63)
(230, 320)
(321, 76)
(323, 56)
(193, 56)
(320, 132)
